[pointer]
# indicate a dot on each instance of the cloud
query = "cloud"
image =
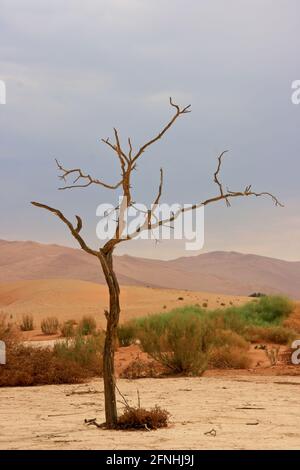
(74, 70)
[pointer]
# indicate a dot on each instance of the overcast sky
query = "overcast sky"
(75, 69)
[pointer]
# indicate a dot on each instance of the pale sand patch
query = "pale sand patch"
(52, 417)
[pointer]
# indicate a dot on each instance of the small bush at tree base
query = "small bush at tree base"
(140, 418)
(49, 326)
(87, 325)
(27, 323)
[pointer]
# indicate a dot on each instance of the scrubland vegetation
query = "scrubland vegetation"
(71, 361)
(186, 341)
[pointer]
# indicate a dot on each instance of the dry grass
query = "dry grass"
(50, 325)
(70, 362)
(37, 366)
(272, 334)
(139, 369)
(229, 357)
(27, 323)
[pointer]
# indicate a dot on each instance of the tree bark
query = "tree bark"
(112, 318)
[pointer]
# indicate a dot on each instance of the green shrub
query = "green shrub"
(127, 333)
(49, 326)
(27, 323)
(85, 351)
(180, 344)
(87, 325)
(269, 310)
(183, 338)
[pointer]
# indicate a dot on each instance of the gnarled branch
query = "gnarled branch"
(74, 230)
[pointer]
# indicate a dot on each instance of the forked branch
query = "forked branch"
(79, 175)
(74, 230)
(223, 195)
(179, 112)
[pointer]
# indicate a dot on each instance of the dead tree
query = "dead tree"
(128, 163)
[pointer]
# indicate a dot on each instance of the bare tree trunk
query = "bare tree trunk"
(112, 317)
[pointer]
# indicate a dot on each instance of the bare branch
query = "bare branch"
(226, 196)
(116, 147)
(216, 175)
(79, 224)
(122, 156)
(160, 187)
(74, 230)
(179, 112)
(130, 149)
(80, 175)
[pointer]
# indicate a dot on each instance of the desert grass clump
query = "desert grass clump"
(27, 323)
(67, 328)
(9, 333)
(50, 325)
(229, 357)
(140, 418)
(87, 325)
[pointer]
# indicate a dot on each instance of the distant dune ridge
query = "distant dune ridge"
(219, 272)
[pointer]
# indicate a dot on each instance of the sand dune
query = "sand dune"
(219, 272)
(68, 299)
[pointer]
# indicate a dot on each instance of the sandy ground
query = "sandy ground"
(246, 413)
(71, 299)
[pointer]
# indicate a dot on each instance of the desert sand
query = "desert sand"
(245, 413)
(71, 299)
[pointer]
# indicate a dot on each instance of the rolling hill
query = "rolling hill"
(218, 272)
